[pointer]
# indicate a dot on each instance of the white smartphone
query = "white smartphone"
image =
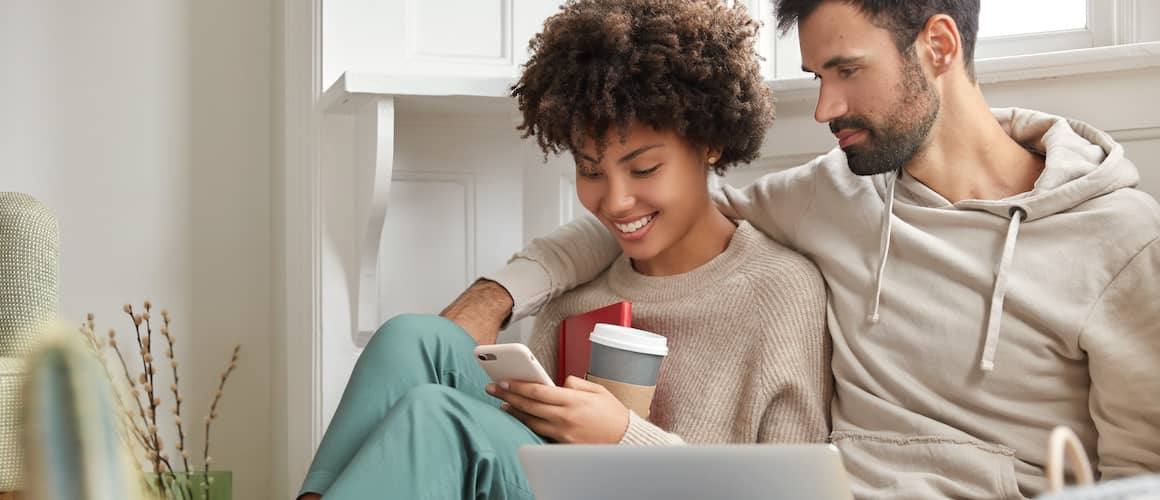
(511, 362)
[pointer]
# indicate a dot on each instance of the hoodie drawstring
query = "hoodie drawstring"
(996, 313)
(883, 247)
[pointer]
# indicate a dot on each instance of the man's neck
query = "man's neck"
(969, 156)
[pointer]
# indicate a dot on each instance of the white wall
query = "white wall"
(145, 126)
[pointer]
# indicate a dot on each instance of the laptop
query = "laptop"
(737, 472)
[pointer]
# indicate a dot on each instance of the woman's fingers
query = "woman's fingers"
(536, 424)
(557, 396)
(574, 382)
(525, 404)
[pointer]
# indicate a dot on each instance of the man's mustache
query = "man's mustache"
(850, 122)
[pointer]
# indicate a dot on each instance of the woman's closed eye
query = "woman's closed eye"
(646, 172)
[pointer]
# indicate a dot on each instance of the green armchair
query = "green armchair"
(29, 240)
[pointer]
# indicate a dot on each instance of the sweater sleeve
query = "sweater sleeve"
(775, 203)
(796, 367)
(641, 432)
(1122, 341)
(569, 256)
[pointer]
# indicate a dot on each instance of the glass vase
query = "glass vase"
(218, 485)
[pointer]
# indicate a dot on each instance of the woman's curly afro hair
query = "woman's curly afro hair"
(684, 65)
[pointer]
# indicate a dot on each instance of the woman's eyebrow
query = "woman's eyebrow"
(637, 152)
(628, 157)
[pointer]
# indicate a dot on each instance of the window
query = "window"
(1006, 28)
(1005, 18)
(1009, 28)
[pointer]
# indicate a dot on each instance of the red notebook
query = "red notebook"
(574, 349)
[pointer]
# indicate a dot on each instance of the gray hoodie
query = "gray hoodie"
(962, 333)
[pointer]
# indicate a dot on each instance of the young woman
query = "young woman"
(648, 96)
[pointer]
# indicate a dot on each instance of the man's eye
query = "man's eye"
(644, 173)
(848, 72)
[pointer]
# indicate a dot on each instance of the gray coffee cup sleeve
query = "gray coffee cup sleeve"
(624, 366)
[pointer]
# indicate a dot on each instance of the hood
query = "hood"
(1081, 163)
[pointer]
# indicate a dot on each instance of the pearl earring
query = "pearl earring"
(712, 160)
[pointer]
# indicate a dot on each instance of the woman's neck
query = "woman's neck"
(705, 240)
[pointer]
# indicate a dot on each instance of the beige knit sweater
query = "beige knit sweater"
(749, 357)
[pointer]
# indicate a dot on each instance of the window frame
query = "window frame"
(1109, 22)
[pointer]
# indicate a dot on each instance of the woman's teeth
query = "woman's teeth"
(631, 227)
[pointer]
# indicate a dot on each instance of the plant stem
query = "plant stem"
(176, 398)
(213, 411)
(146, 353)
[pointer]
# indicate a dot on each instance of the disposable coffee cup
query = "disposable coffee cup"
(627, 362)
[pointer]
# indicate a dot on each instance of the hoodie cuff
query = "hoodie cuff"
(641, 432)
(527, 282)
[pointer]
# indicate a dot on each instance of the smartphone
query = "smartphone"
(511, 362)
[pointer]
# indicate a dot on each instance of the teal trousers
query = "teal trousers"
(415, 423)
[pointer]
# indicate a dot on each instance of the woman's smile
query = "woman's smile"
(633, 229)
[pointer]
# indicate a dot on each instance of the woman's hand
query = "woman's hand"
(580, 412)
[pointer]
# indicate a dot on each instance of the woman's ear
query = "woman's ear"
(712, 156)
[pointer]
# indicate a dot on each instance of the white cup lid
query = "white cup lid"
(629, 339)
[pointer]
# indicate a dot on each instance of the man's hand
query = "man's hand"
(580, 412)
(481, 310)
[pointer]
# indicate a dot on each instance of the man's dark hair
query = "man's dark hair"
(689, 66)
(902, 18)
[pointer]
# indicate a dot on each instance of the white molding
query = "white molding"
(1022, 68)
(1135, 134)
(352, 90)
(369, 299)
(1127, 22)
(375, 163)
(301, 380)
(1102, 22)
(1037, 43)
(416, 53)
(432, 94)
(467, 180)
(794, 89)
(492, 119)
(773, 163)
(1069, 63)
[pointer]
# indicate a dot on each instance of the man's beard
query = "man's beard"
(888, 147)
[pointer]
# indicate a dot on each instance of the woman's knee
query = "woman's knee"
(408, 332)
(431, 400)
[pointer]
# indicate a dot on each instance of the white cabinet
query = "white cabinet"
(461, 38)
